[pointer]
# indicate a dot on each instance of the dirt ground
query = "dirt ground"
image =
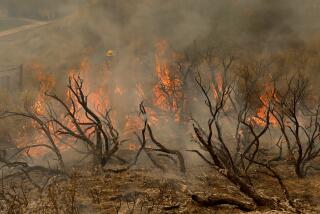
(142, 190)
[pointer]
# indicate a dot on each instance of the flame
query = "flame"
(261, 113)
(99, 100)
(217, 86)
(46, 83)
(96, 88)
(167, 92)
(134, 123)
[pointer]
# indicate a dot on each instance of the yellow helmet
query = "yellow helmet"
(109, 53)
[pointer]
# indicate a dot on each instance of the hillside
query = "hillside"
(38, 9)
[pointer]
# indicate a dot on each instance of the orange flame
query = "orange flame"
(261, 114)
(217, 87)
(46, 81)
(167, 92)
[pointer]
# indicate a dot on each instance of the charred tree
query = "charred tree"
(235, 168)
(76, 120)
(298, 120)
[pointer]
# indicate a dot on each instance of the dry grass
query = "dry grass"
(145, 191)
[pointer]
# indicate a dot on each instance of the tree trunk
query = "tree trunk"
(213, 201)
(299, 170)
(249, 190)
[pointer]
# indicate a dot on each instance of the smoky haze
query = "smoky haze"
(131, 28)
(235, 24)
(38, 9)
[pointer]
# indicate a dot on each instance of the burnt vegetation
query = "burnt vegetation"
(236, 153)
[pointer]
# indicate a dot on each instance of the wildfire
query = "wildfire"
(217, 87)
(167, 92)
(95, 88)
(261, 113)
(46, 83)
(99, 100)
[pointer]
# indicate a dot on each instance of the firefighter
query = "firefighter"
(110, 58)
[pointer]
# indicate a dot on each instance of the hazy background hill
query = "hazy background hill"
(38, 9)
(98, 25)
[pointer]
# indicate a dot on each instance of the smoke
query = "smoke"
(38, 9)
(131, 28)
(231, 24)
(234, 23)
